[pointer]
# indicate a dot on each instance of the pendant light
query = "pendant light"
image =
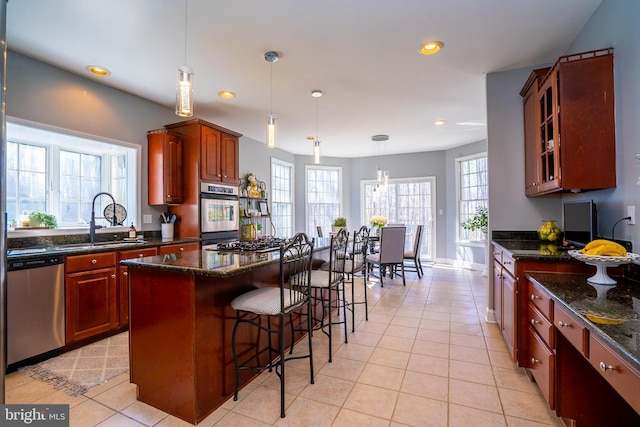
(271, 118)
(184, 89)
(316, 144)
(382, 176)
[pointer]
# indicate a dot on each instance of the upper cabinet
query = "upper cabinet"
(569, 125)
(219, 156)
(165, 167)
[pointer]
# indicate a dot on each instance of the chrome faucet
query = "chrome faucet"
(92, 224)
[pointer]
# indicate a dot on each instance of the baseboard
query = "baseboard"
(490, 316)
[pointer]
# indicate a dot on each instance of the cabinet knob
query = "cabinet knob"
(496, 253)
(534, 297)
(604, 367)
(94, 261)
(113, 276)
(507, 262)
(219, 176)
(534, 184)
(181, 249)
(534, 321)
(125, 273)
(141, 255)
(562, 324)
(534, 361)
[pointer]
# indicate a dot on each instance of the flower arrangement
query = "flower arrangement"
(378, 221)
(479, 221)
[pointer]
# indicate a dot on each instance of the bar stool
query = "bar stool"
(277, 303)
(356, 263)
(326, 286)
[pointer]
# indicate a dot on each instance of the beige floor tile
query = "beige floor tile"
(295, 380)
(29, 392)
(477, 396)
(305, 412)
(425, 385)
(420, 411)
(405, 319)
(382, 376)
(364, 338)
(343, 368)
(60, 397)
(396, 343)
(469, 354)
(467, 329)
(119, 379)
(514, 379)
(118, 397)
(434, 325)
(333, 391)
(401, 331)
(371, 327)
(430, 348)
(431, 335)
(172, 421)
(501, 359)
(355, 352)
(472, 372)
(143, 413)
(371, 400)
(465, 340)
(463, 416)
(16, 379)
(519, 422)
(268, 409)
(89, 413)
(436, 315)
(119, 420)
(348, 418)
(428, 365)
(522, 405)
(233, 419)
(391, 358)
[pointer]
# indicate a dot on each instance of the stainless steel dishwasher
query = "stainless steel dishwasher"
(35, 306)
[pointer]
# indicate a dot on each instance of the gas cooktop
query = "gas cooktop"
(266, 244)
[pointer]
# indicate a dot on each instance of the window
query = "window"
(324, 197)
(282, 198)
(60, 174)
(472, 192)
(404, 201)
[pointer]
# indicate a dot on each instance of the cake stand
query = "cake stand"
(601, 281)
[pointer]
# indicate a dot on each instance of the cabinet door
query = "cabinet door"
(549, 143)
(542, 366)
(509, 313)
(531, 144)
(123, 281)
(90, 303)
(165, 168)
(497, 293)
(174, 249)
(229, 159)
(210, 152)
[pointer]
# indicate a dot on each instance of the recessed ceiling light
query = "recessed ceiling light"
(379, 138)
(97, 70)
(311, 138)
(316, 93)
(431, 47)
(226, 94)
(438, 122)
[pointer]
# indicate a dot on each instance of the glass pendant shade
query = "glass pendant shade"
(386, 177)
(184, 92)
(271, 131)
(379, 174)
(316, 152)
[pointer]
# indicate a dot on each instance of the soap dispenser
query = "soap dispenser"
(132, 232)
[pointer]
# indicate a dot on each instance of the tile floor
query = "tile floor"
(426, 357)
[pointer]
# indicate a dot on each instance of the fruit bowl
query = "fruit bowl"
(601, 262)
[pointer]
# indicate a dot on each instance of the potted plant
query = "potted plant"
(39, 219)
(339, 223)
(480, 221)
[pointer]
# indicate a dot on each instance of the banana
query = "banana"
(595, 243)
(608, 248)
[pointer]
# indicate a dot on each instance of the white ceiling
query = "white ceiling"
(362, 53)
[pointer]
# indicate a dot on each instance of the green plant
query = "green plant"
(44, 218)
(480, 221)
(340, 222)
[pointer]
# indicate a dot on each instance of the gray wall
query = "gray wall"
(612, 25)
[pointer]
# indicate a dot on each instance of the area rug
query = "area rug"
(79, 370)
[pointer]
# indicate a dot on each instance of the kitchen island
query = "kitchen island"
(181, 323)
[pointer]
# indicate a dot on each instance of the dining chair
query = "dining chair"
(277, 303)
(391, 252)
(326, 286)
(319, 230)
(356, 264)
(413, 256)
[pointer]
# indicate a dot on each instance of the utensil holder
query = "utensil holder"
(166, 230)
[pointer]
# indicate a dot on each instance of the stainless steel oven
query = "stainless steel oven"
(219, 213)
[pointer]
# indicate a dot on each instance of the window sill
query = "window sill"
(62, 231)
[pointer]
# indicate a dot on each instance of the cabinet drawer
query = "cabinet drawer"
(172, 249)
(622, 377)
(542, 367)
(572, 329)
(542, 325)
(541, 299)
(509, 263)
(138, 253)
(90, 262)
(497, 254)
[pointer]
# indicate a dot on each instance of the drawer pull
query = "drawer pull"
(562, 324)
(604, 367)
(94, 261)
(496, 253)
(534, 361)
(125, 273)
(113, 276)
(534, 321)
(141, 255)
(534, 297)
(507, 262)
(181, 249)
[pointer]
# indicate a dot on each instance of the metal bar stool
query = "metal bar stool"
(356, 264)
(280, 302)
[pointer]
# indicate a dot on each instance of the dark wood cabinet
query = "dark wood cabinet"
(541, 354)
(165, 167)
(178, 248)
(505, 297)
(219, 156)
(123, 281)
(569, 125)
(90, 295)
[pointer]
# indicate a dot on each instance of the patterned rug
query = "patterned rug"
(79, 370)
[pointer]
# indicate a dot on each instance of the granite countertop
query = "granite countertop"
(213, 262)
(623, 301)
(534, 249)
(86, 248)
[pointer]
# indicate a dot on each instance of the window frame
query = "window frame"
(104, 147)
(459, 230)
(309, 167)
(292, 189)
